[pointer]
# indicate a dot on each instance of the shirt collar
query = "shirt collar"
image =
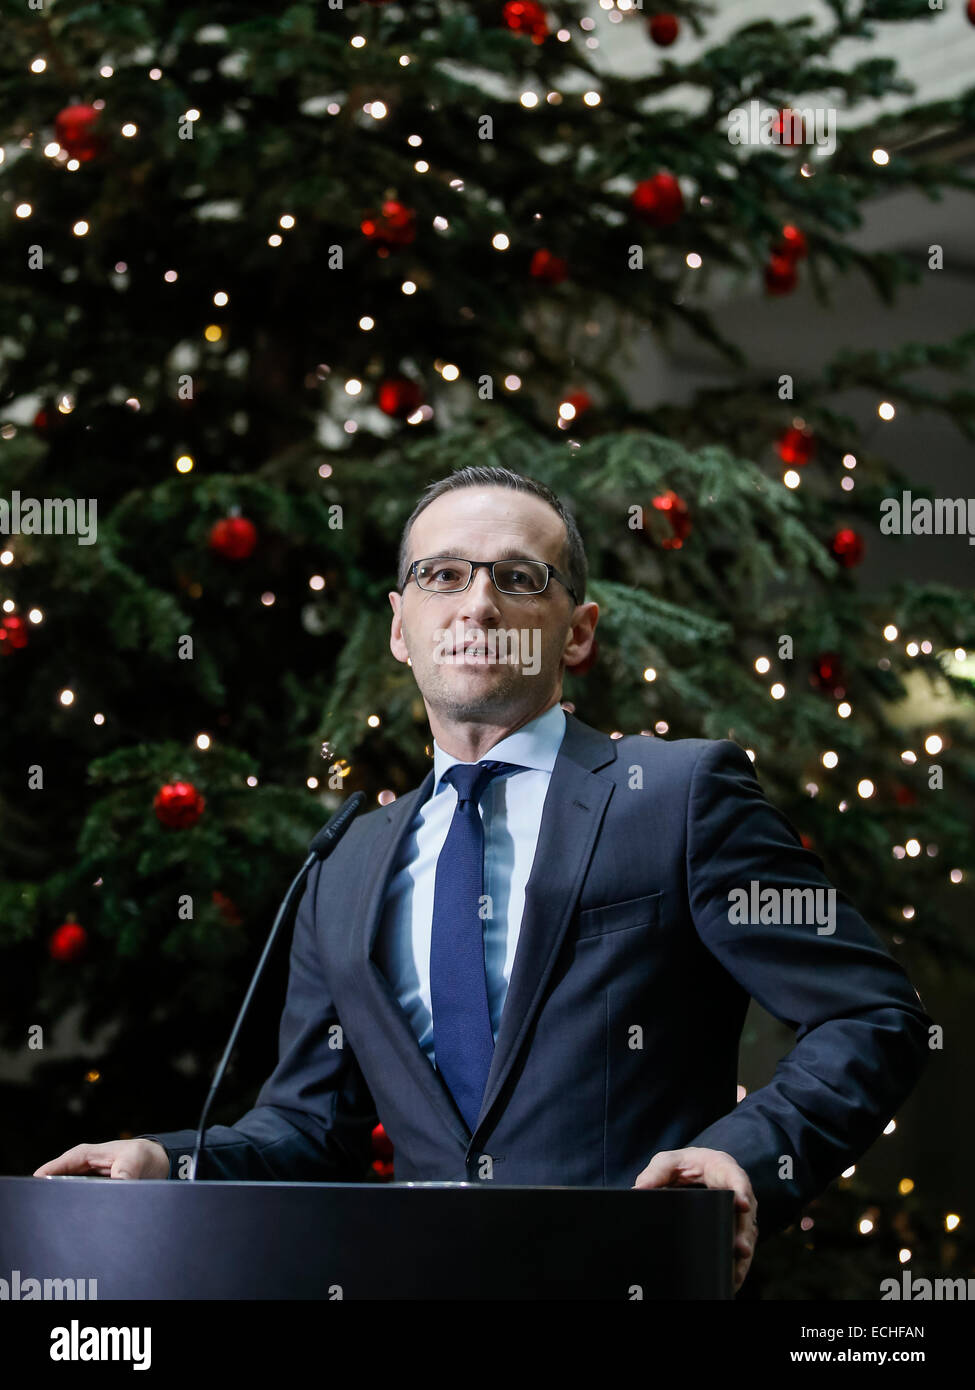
(535, 745)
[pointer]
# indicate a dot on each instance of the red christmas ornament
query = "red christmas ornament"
(781, 275)
(663, 29)
(399, 397)
(526, 17)
(234, 537)
(549, 268)
(587, 663)
(788, 128)
(796, 445)
(847, 547)
(382, 1154)
(68, 942)
(227, 908)
(74, 130)
(13, 633)
(178, 805)
(970, 11)
(394, 225)
(828, 675)
(658, 201)
(792, 244)
(675, 510)
(580, 401)
(807, 841)
(904, 796)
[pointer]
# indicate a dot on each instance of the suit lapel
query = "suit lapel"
(571, 816)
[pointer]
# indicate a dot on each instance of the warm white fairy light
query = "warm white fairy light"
(567, 410)
(791, 478)
(184, 464)
(366, 323)
(155, 74)
(865, 788)
(316, 582)
(203, 741)
(777, 691)
(952, 1221)
(693, 260)
(865, 1226)
(213, 332)
(926, 647)
(500, 242)
(52, 149)
(450, 372)
(956, 876)
(252, 781)
(275, 239)
(848, 1172)
(80, 228)
(105, 71)
(563, 36)
(933, 743)
(408, 287)
(849, 461)
(847, 484)
(66, 696)
(386, 796)
(353, 386)
(880, 156)
(891, 633)
(170, 276)
(440, 223)
(73, 165)
(751, 753)
(38, 65)
(661, 726)
(377, 110)
(8, 605)
(885, 410)
(844, 709)
(421, 167)
(36, 615)
(904, 1255)
(221, 298)
(889, 1128)
(512, 382)
(267, 599)
(649, 674)
(324, 470)
(130, 129)
(373, 721)
(192, 114)
(23, 210)
(762, 664)
(311, 783)
(66, 404)
(529, 99)
(6, 557)
(591, 98)
(913, 848)
(357, 41)
(830, 758)
(909, 756)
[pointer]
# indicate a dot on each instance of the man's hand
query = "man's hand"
(711, 1168)
(119, 1158)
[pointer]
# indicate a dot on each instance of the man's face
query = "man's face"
(524, 638)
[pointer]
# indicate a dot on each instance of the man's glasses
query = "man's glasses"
(445, 574)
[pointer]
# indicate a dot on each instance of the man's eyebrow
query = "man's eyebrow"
(508, 553)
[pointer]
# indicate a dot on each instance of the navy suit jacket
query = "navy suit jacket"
(620, 1030)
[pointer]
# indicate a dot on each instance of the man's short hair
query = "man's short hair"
(573, 561)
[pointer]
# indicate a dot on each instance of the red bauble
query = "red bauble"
(675, 510)
(904, 796)
(587, 663)
(658, 201)
(227, 908)
(781, 275)
(847, 547)
(399, 397)
(788, 128)
(178, 805)
(549, 268)
(581, 401)
(234, 537)
(526, 17)
(792, 244)
(13, 633)
(970, 11)
(827, 674)
(394, 225)
(796, 445)
(807, 841)
(74, 130)
(382, 1154)
(68, 942)
(663, 29)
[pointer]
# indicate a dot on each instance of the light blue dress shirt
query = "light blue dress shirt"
(511, 814)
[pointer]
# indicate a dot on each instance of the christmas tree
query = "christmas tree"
(271, 270)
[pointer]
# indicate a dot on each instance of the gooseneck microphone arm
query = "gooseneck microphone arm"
(320, 848)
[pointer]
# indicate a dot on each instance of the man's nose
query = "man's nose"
(480, 600)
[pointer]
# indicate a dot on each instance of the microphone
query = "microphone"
(320, 848)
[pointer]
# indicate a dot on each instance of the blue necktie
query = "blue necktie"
(463, 1043)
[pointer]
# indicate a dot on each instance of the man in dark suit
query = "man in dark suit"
(534, 969)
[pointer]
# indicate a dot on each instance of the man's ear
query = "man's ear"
(396, 643)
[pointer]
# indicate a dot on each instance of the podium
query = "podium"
(171, 1239)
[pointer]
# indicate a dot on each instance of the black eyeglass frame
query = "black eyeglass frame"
(552, 573)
